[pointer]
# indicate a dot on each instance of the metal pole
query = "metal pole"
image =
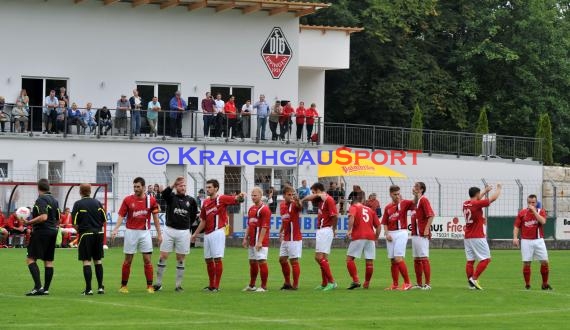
(486, 209)
(195, 184)
(554, 198)
(438, 196)
(521, 196)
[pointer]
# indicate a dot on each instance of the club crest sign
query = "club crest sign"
(276, 52)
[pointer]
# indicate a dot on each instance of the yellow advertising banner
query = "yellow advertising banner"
(347, 163)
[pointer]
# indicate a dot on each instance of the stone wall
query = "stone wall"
(560, 178)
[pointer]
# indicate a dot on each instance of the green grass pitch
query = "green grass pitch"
(504, 304)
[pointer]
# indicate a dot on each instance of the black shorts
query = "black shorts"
(42, 245)
(90, 246)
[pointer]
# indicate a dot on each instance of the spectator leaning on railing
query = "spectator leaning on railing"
(4, 116)
(230, 112)
(49, 113)
(123, 106)
(88, 118)
(152, 115)
(262, 109)
(136, 106)
(208, 112)
(300, 120)
(74, 118)
(285, 120)
(104, 120)
(276, 112)
(60, 119)
(177, 108)
(311, 114)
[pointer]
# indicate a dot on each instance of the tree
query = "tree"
(416, 134)
(547, 134)
(481, 129)
(539, 146)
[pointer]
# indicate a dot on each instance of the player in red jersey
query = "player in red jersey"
(530, 223)
(66, 227)
(476, 246)
(422, 218)
(326, 230)
(363, 229)
(213, 220)
(256, 239)
(138, 209)
(3, 231)
(395, 221)
(290, 237)
(16, 227)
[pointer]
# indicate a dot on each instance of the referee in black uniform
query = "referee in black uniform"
(45, 221)
(89, 218)
(181, 212)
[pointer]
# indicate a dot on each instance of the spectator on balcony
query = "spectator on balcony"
(219, 121)
(373, 203)
(208, 113)
(104, 120)
(61, 117)
(25, 99)
(62, 95)
(136, 106)
(276, 112)
(4, 116)
(177, 108)
(311, 114)
(152, 115)
(20, 115)
(123, 105)
(300, 120)
(49, 113)
(285, 120)
(230, 112)
(88, 118)
(246, 111)
(262, 111)
(74, 118)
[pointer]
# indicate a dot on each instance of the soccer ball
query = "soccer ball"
(23, 213)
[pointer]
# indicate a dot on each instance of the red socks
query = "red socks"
(395, 273)
(264, 272)
(369, 271)
(351, 266)
(481, 266)
(125, 273)
(326, 271)
(296, 273)
(526, 274)
(148, 271)
(253, 270)
(469, 268)
(427, 270)
(418, 268)
(211, 273)
(219, 270)
(404, 271)
(286, 271)
(544, 272)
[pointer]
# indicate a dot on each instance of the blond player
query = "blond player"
(291, 238)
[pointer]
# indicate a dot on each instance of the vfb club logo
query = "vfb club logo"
(276, 52)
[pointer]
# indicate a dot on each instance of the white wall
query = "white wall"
(312, 90)
(329, 50)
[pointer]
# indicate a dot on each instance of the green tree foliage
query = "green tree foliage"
(416, 135)
(538, 148)
(481, 129)
(454, 57)
(547, 134)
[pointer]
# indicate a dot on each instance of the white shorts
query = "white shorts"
(533, 249)
(324, 240)
(69, 230)
(291, 249)
(477, 249)
(356, 248)
(214, 244)
(258, 255)
(397, 248)
(175, 240)
(420, 247)
(137, 240)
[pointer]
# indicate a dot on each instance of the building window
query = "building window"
(164, 92)
(38, 88)
(4, 174)
(241, 93)
(274, 177)
(105, 174)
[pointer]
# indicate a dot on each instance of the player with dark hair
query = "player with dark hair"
(326, 230)
(530, 223)
(291, 238)
(476, 246)
(89, 217)
(181, 214)
(138, 208)
(395, 221)
(213, 220)
(45, 220)
(422, 218)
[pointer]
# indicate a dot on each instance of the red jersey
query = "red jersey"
(230, 110)
(474, 220)
(214, 212)
(365, 222)
(291, 221)
(420, 216)
(327, 210)
(13, 222)
(300, 115)
(2, 220)
(138, 211)
(65, 221)
(311, 114)
(259, 217)
(396, 215)
(529, 225)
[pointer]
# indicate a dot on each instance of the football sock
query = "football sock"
(469, 268)
(264, 273)
(404, 271)
(351, 266)
(87, 274)
(99, 274)
(427, 270)
(219, 271)
(324, 280)
(369, 271)
(296, 273)
(125, 273)
(211, 273)
(47, 277)
(481, 266)
(418, 268)
(35, 272)
(286, 271)
(179, 273)
(253, 270)
(327, 269)
(395, 273)
(160, 267)
(148, 273)
(544, 272)
(526, 274)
